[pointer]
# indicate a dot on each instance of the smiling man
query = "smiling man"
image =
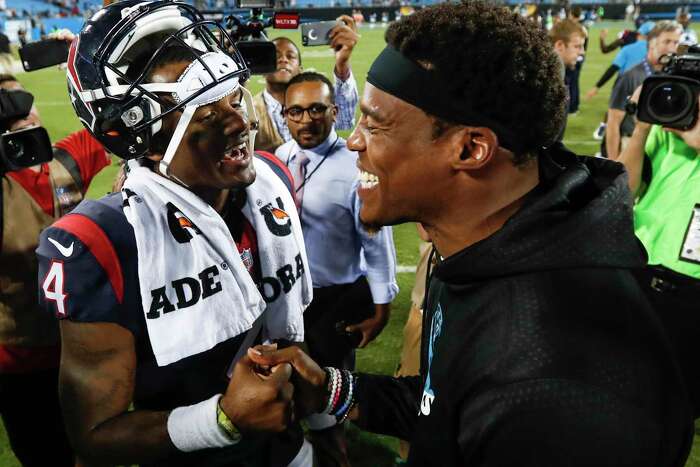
(160, 289)
(538, 348)
(353, 271)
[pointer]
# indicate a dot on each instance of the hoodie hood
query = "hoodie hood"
(579, 216)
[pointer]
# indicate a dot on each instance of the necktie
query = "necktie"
(299, 175)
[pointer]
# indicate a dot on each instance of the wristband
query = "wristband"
(226, 424)
(342, 413)
(196, 427)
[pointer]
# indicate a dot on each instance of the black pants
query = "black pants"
(571, 80)
(325, 319)
(676, 299)
(32, 416)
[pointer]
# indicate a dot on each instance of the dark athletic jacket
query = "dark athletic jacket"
(538, 348)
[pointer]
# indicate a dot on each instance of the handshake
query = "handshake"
(270, 388)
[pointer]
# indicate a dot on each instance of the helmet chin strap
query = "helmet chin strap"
(175, 140)
(253, 121)
(193, 79)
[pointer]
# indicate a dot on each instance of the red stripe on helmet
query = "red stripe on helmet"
(71, 63)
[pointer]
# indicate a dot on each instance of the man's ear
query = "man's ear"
(478, 147)
(559, 46)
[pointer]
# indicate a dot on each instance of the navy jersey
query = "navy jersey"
(88, 272)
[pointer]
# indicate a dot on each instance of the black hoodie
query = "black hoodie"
(538, 347)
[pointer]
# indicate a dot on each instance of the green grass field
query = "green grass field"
(381, 356)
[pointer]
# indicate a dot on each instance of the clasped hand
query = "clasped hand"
(265, 395)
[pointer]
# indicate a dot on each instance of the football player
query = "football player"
(162, 287)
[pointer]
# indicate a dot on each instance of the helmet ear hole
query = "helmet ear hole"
(117, 128)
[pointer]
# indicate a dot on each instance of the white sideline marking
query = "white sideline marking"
(405, 268)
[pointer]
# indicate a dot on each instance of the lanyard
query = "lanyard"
(647, 68)
(325, 156)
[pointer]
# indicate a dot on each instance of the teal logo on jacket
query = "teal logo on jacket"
(428, 393)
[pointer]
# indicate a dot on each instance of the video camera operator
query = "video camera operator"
(664, 177)
(273, 131)
(31, 198)
(662, 40)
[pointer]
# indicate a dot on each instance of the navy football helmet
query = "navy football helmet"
(115, 51)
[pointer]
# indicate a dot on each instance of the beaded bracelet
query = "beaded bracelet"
(341, 393)
(342, 412)
(337, 393)
(347, 414)
(332, 377)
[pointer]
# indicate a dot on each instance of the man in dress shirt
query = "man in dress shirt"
(353, 271)
(273, 130)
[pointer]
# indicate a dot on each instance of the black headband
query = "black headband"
(397, 75)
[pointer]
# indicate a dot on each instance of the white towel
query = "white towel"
(195, 290)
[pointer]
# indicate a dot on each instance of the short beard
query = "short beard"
(375, 228)
(372, 230)
(277, 84)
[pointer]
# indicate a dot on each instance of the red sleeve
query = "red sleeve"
(80, 275)
(87, 152)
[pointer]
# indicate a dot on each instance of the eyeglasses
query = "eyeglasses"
(296, 113)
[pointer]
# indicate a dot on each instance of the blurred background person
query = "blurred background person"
(568, 38)
(683, 17)
(625, 37)
(631, 53)
(33, 198)
(662, 40)
(573, 75)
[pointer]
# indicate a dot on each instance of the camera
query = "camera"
(42, 54)
(249, 35)
(21, 148)
(671, 99)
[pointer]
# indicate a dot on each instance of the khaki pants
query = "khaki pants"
(410, 352)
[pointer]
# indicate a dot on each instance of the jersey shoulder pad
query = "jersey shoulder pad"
(278, 168)
(81, 273)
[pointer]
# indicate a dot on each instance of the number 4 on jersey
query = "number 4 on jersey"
(53, 287)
